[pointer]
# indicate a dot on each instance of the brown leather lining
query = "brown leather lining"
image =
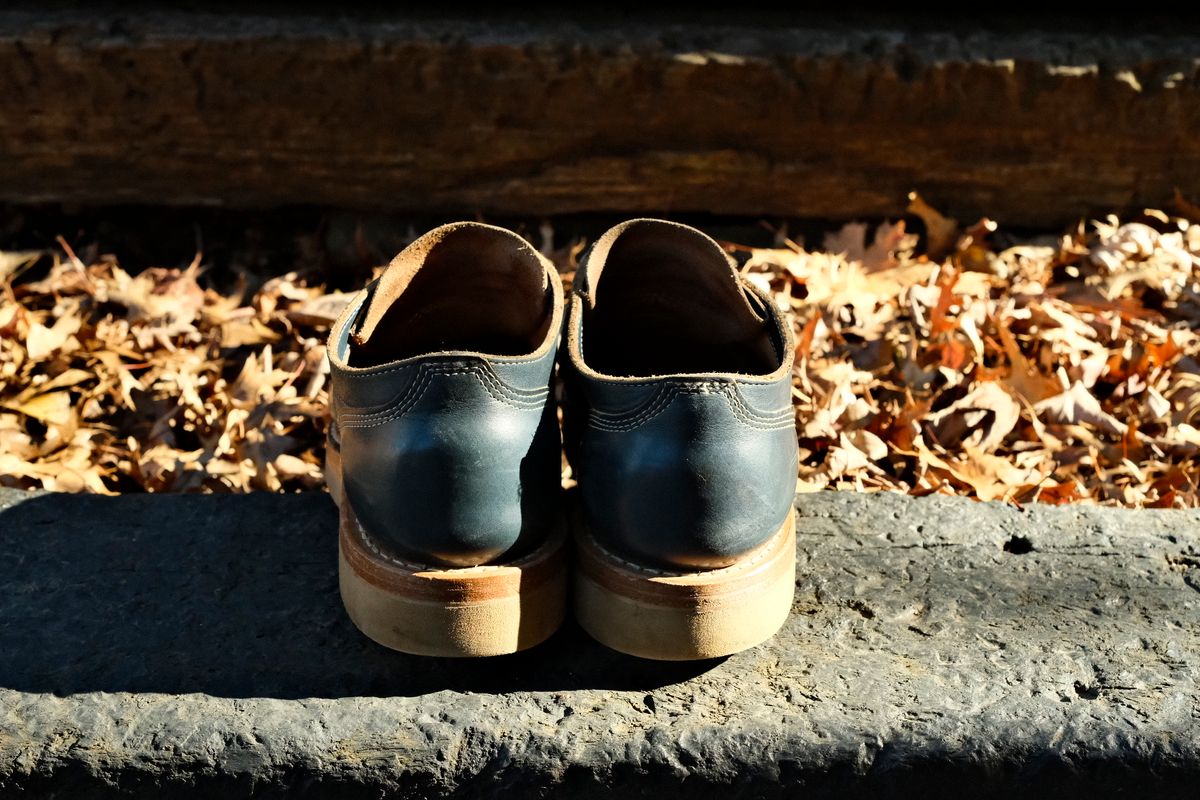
(462, 287)
(665, 299)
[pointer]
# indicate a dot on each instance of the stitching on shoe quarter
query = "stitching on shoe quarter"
(779, 417)
(401, 401)
(482, 369)
(500, 391)
(624, 422)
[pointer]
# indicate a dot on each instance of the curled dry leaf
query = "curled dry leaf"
(940, 231)
(1077, 406)
(980, 420)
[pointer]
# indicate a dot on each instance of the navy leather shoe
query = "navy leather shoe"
(444, 449)
(680, 430)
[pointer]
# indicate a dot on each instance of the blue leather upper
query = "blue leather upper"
(450, 458)
(681, 471)
(459, 466)
(693, 477)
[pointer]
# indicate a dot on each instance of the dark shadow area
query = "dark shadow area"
(233, 597)
(1018, 545)
(1053, 16)
(345, 243)
(339, 247)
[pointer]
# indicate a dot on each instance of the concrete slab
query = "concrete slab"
(195, 645)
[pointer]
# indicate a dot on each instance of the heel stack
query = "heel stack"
(472, 611)
(675, 616)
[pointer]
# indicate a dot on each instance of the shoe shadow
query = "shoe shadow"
(232, 596)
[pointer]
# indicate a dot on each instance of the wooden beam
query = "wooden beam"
(540, 118)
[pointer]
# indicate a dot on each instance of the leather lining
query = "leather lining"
(466, 287)
(665, 299)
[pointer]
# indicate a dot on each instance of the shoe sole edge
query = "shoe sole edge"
(681, 616)
(452, 612)
(333, 472)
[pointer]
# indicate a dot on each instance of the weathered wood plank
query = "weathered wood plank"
(555, 117)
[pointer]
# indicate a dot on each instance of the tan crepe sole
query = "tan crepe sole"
(471, 611)
(676, 616)
(475, 611)
(333, 472)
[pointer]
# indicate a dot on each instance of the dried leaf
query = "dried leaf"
(941, 231)
(980, 420)
(52, 408)
(41, 341)
(1078, 406)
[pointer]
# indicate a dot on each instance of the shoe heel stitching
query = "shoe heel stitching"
(491, 384)
(406, 401)
(400, 400)
(483, 370)
(742, 412)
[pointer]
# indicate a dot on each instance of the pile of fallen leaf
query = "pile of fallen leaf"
(1055, 369)
(1061, 369)
(116, 382)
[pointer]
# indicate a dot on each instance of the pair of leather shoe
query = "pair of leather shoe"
(444, 452)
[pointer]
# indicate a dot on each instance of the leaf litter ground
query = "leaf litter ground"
(1059, 368)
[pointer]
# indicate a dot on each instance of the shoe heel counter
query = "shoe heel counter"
(464, 474)
(692, 480)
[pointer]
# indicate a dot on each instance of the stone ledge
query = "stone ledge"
(538, 114)
(196, 644)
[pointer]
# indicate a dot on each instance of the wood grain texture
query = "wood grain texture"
(550, 117)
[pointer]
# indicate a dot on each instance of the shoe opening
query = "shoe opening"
(463, 287)
(666, 300)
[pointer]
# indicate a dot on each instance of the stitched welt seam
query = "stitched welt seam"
(417, 389)
(602, 422)
(453, 368)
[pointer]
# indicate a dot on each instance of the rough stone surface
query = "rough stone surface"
(938, 647)
(537, 114)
